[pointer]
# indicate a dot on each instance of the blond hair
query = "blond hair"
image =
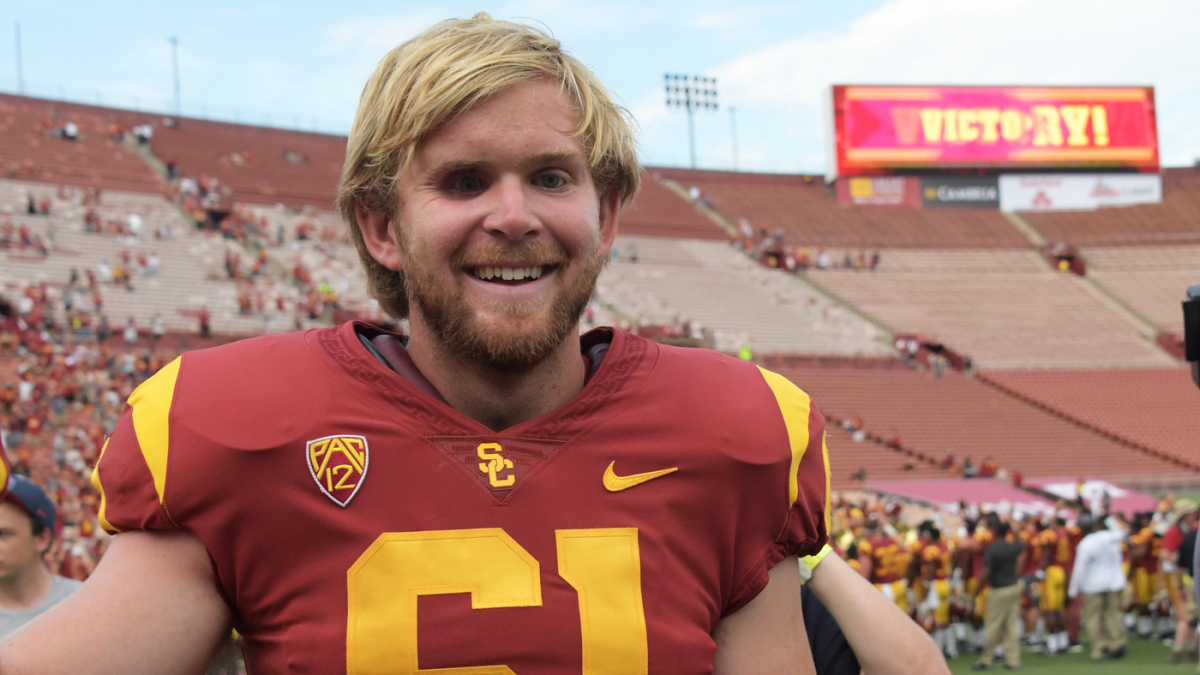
(426, 82)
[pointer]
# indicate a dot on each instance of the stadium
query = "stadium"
(986, 328)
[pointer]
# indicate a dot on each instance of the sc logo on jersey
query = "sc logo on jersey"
(494, 464)
(338, 464)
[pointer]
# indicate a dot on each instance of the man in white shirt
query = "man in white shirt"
(1098, 575)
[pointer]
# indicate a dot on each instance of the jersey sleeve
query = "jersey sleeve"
(131, 473)
(804, 517)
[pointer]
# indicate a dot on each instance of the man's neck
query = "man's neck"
(499, 399)
(27, 589)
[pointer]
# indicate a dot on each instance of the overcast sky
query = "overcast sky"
(303, 64)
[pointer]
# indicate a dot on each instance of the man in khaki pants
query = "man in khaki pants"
(1001, 561)
(1098, 575)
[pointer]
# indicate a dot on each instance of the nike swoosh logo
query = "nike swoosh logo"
(615, 483)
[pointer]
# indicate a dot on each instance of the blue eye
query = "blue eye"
(550, 180)
(468, 184)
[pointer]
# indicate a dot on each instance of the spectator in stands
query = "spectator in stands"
(203, 317)
(968, 469)
(131, 331)
(70, 131)
(143, 132)
(157, 328)
(27, 588)
(103, 330)
(1099, 576)
(824, 261)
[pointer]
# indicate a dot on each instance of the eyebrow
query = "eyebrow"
(541, 159)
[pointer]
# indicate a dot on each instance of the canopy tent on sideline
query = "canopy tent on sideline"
(986, 493)
(1121, 500)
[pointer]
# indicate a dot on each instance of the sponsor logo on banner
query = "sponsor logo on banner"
(1078, 192)
(878, 191)
(979, 192)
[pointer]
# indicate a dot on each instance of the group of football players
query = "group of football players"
(935, 575)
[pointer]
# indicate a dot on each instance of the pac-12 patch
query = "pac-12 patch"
(338, 464)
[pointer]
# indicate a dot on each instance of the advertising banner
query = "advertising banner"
(1094, 493)
(973, 191)
(1078, 192)
(879, 191)
(987, 493)
(922, 127)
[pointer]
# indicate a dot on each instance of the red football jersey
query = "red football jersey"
(357, 524)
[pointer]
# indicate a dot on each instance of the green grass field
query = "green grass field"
(1144, 658)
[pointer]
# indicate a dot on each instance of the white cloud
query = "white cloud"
(1101, 42)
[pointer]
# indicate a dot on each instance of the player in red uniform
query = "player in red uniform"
(498, 495)
(884, 562)
(934, 563)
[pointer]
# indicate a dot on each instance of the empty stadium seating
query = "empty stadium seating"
(1175, 221)
(1152, 280)
(848, 458)
(29, 150)
(805, 209)
(1155, 408)
(660, 212)
(712, 284)
(972, 419)
(1004, 309)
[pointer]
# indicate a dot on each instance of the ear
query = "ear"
(610, 213)
(43, 542)
(377, 234)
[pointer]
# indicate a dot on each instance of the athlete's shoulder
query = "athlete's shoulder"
(244, 393)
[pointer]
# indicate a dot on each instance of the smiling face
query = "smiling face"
(501, 232)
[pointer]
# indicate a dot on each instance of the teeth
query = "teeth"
(508, 273)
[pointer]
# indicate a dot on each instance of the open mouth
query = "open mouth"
(509, 275)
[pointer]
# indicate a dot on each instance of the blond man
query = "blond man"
(491, 494)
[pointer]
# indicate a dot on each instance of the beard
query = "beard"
(511, 346)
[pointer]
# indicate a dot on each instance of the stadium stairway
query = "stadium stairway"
(1174, 221)
(955, 412)
(710, 283)
(805, 209)
(1003, 308)
(1150, 280)
(190, 271)
(854, 464)
(29, 149)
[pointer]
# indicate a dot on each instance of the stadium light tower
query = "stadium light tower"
(20, 76)
(691, 92)
(175, 63)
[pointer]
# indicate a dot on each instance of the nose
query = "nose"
(511, 215)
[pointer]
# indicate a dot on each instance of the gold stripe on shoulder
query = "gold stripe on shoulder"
(100, 516)
(828, 474)
(795, 405)
(151, 404)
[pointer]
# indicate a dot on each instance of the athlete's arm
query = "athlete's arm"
(151, 608)
(876, 630)
(767, 635)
